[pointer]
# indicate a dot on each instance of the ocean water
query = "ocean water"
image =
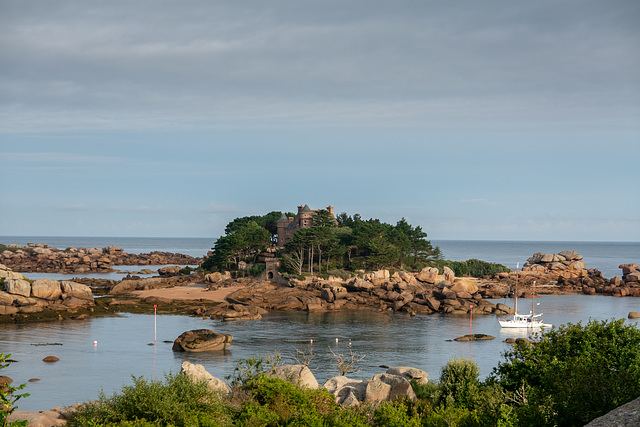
(605, 256)
(123, 349)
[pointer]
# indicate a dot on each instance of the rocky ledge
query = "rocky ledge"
(41, 258)
(20, 295)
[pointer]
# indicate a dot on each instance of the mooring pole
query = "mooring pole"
(155, 323)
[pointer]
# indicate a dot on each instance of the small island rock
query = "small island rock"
(200, 340)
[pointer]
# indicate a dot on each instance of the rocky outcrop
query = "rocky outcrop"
(42, 258)
(630, 274)
(401, 292)
(567, 264)
(198, 373)
(226, 311)
(136, 284)
(202, 340)
(20, 295)
(379, 388)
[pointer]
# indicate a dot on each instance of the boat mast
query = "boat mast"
(515, 295)
(533, 298)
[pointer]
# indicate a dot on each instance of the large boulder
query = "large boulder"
(48, 289)
(76, 290)
(18, 287)
(428, 275)
(299, 375)
(379, 388)
(201, 340)
(464, 285)
(448, 274)
(199, 373)
(347, 392)
(360, 285)
(411, 374)
(6, 298)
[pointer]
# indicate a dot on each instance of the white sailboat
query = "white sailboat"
(530, 320)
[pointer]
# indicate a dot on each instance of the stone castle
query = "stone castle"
(287, 226)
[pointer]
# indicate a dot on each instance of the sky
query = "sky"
(492, 120)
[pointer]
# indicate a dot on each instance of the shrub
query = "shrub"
(394, 414)
(291, 404)
(475, 268)
(247, 369)
(459, 385)
(178, 401)
(575, 373)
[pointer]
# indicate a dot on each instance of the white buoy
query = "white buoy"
(311, 341)
(95, 343)
(336, 339)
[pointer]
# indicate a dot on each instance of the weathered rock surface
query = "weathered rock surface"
(199, 373)
(299, 375)
(627, 415)
(201, 340)
(380, 388)
(228, 311)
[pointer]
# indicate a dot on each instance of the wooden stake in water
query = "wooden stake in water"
(470, 318)
(155, 323)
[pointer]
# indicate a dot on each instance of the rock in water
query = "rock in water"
(200, 340)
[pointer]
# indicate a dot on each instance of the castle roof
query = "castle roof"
(306, 208)
(283, 218)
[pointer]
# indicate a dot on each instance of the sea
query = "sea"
(101, 355)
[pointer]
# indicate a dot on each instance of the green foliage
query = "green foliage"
(395, 415)
(575, 373)
(292, 405)
(472, 267)
(245, 240)
(186, 270)
(8, 397)
(177, 401)
(459, 385)
(247, 369)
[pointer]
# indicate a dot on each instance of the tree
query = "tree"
(245, 239)
(575, 373)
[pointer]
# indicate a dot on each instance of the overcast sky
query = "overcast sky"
(475, 120)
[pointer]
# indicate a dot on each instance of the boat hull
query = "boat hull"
(523, 324)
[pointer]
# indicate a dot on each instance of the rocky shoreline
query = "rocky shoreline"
(425, 292)
(43, 259)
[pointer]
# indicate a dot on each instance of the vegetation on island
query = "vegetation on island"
(568, 377)
(333, 246)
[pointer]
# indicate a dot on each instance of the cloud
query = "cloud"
(216, 64)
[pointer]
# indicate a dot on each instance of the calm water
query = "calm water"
(385, 339)
(389, 339)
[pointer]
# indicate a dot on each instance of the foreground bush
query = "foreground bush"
(178, 401)
(574, 374)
